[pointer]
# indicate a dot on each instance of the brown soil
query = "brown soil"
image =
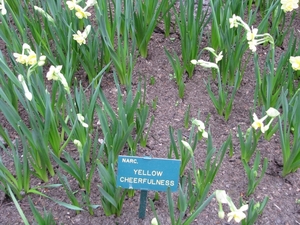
(283, 192)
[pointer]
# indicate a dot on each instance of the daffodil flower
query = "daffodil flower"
(46, 15)
(154, 221)
(81, 37)
(221, 196)
(237, 214)
(252, 34)
(27, 93)
(295, 61)
(289, 5)
(71, 4)
(31, 58)
(205, 63)
(55, 74)
(271, 112)
(188, 147)
(90, 3)
(81, 120)
(218, 56)
(201, 127)
(2, 7)
(234, 21)
(81, 13)
(78, 145)
(259, 123)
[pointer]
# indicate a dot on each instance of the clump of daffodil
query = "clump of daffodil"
(289, 5)
(81, 120)
(237, 214)
(2, 7)
(80, 12)
(259, 123)
(295, 61)
(201, 127)
(27, 93)
(55, 74)
(253, 37)
(81, 37)
(28, 57)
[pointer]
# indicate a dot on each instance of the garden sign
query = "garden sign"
(145, 174)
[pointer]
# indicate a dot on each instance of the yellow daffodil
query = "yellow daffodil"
(31, 58)
(289, 5)
(27, 93)
(81, 13)
(2, 7)
(81, 37)
(81, 120)
(237, 214)
(295, 61)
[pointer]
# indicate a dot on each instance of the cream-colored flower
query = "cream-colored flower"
(252, 45)
(27, 93)
(289, 5)
(238, 214)
(219, 57)
(205, 63)
(81, 37)
(71, 4)
(154, 221)
(271, 112)
(31, 58)
(78, 145)
(259, 123)
(252, 34)
(187, 146)
(295, 61)
(234, 21)
(42, 11)
(201, 127)
(2, 7)
(55, 74)
(221, 196)
(81, 13)
(20, 58)
(90, 3)
(81, 120)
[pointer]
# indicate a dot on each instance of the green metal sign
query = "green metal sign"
(146, 173)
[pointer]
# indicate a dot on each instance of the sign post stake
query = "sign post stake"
(143, 200)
